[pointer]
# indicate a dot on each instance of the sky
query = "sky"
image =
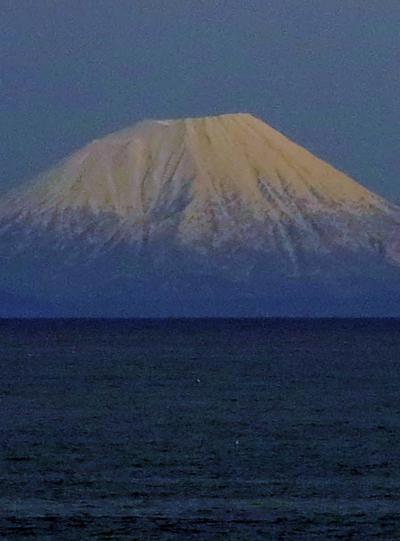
(324, 72)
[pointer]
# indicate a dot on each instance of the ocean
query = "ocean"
(248, 429)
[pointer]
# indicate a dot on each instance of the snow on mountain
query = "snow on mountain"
(228, 188)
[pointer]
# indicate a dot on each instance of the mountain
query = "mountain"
(206, 216)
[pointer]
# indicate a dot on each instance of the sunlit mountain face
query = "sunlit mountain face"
(215, 216)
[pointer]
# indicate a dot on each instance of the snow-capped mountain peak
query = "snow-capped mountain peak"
(229, 189)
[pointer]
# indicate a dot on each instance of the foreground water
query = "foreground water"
(200, 429)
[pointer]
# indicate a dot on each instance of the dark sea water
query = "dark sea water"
(200, 430)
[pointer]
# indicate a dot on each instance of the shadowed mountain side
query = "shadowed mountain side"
(125, 283)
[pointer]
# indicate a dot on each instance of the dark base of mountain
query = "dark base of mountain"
(132, 283)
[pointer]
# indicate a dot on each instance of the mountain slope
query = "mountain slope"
(226, 202)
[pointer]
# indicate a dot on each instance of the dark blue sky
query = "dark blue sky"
(324, 72)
